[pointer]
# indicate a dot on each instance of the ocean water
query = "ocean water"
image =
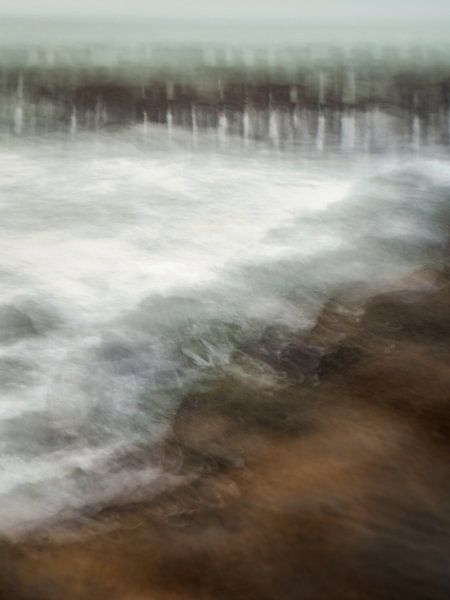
(134, 259)
(126, 261)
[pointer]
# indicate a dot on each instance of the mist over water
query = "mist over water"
(146, 235)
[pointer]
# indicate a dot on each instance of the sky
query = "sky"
(407, 10)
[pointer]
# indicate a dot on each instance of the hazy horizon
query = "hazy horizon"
(302, 10)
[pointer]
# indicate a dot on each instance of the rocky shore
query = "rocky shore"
(314, 466)
(304, 94)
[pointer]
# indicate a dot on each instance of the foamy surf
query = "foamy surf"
(131, 267)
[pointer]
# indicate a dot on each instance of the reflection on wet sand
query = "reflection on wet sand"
(318, 469)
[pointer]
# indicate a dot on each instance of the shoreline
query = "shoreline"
(326, 479)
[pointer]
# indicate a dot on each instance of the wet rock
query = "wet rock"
(300, 359)
(412, 315)
(222, 419)
(340, 359)
(340, 318)
(289, 482)
(284, 352)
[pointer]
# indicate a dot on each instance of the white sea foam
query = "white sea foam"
(122, 261)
